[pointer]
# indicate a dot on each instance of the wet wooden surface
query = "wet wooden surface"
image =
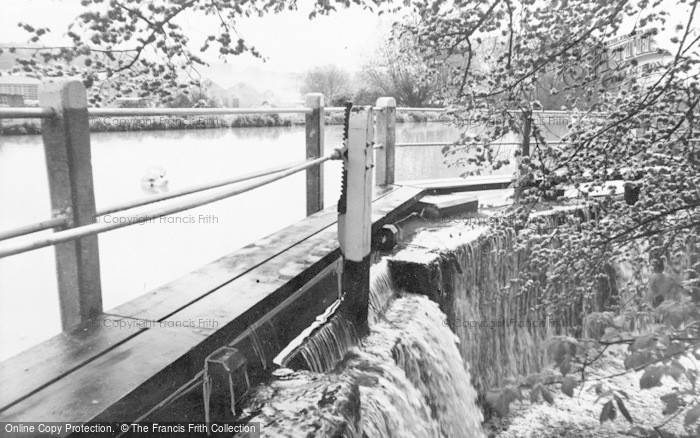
(118, 373)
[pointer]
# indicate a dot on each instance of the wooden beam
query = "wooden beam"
(32, 369)
(133, 376)
(69, 164)
(39, 366)
(314, 149)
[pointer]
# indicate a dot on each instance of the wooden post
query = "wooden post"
(68, 161)
(314, 149)
(355, 220)
(386, 136)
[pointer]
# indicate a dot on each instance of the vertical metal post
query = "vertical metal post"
(69, 164)
(386, 136)
(314, 149)
(355, 224)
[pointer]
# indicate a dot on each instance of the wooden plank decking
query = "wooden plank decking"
(94, 372)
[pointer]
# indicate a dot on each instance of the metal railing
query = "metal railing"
(27, 113)
(175, 207)
(65, 129)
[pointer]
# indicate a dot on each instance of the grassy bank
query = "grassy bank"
(160, 123)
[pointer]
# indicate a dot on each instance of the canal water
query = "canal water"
(139, 258)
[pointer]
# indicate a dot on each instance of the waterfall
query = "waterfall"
(406, 379)
(381, 291)
(472, 274)
(499, 329)
(327, 346)
(321, 346)
(453, 319)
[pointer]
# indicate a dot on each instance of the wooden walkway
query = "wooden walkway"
(99, 372)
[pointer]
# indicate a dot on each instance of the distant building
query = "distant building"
(216, 92)
(639, 52)
(24, 87)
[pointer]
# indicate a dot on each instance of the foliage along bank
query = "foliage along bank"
(167, 123)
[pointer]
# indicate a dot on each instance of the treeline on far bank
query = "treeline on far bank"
(158, 123)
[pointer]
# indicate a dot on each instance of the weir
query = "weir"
(300, 333)
(447, 321)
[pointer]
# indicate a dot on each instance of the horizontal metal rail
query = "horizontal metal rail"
(45, 113)
(450, 143)
(408, 145)
(146, 112)
(27, 113)
(61, 220)
(33, 228)
(337, 109)
(196, 200)
(420, 110)
(126, 205)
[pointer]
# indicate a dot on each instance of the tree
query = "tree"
(193, 98)
(366, 96)
(141, 47)
(330, 80)
(631, 154)
(397, 71)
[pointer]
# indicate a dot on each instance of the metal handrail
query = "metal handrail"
(47, 113)
(196, 200)
(126, 205)
(145, 112)
(61, 220)
(27, 113)
(420, 110)
(406, 145)
(44, 113)
(33, 228)
(450, 143)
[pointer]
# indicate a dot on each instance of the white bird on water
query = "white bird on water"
(155, 180)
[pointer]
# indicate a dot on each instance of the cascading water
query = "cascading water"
(472, 274)
(327, 346)
(500, 335)
(326, 342)
(411, 376)
(406, 379)
(381, 291)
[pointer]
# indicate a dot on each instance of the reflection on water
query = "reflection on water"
(140, 258)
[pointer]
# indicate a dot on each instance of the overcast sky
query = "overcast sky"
(290, 40)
